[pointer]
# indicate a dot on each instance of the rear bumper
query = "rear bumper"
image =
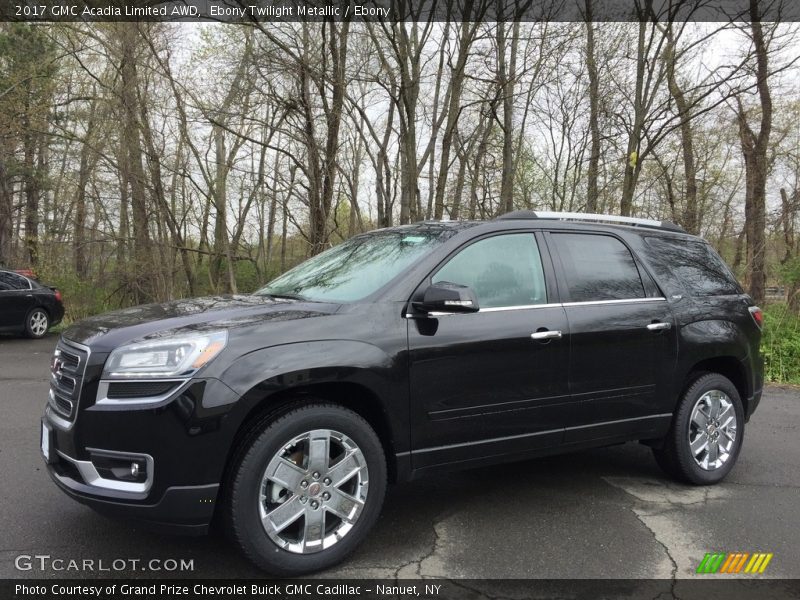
(752, 404)
(755, 368)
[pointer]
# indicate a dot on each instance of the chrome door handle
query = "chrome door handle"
(546, 335)
(658, 326)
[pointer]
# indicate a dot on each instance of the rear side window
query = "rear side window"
(701, 270)
(597, 267)
(12, 281)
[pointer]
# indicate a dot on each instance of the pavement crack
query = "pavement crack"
(673, 562)
(417, 562)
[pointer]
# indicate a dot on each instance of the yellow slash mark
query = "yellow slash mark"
(755, 563)
(752, 562)
(764, 564)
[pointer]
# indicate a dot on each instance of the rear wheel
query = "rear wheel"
(307, 489)
(707, 431)
(37, 323)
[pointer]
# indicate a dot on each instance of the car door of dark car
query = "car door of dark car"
(16, 299)
(622, 338)
(480, 385)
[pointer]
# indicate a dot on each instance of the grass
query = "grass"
(781, 345)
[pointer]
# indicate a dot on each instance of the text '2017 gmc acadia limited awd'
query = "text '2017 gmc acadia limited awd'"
(397, 353)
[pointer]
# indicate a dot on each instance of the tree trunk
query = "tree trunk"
(691, 216)
(754, 150)
(6, 213)
(632, 162)
(505, 84)
(594, 114)
(142, 266)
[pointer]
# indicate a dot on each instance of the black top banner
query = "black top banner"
(276, 11)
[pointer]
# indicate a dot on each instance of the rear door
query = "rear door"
(16, 299)
(622, 337)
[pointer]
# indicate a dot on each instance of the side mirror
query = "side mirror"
(446, 297)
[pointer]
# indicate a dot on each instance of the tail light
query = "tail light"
(58, 295)
(758, 316)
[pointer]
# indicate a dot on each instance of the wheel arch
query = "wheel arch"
(727, 366)
(353, 396)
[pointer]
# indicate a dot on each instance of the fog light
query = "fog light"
(119, 467)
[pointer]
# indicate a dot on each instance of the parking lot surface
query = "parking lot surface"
(595, 514)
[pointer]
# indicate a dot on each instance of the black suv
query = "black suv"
(398, 353)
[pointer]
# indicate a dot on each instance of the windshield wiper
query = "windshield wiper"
(286, 296)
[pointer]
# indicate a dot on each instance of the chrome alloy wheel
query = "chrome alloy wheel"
(38, 323)
(712, 430)
(313, 491)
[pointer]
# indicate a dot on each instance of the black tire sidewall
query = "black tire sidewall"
(28, 331)
(244, 517)
(685, 461)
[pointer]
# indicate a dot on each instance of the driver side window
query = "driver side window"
(503, 271)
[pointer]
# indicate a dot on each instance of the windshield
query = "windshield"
(358, 267)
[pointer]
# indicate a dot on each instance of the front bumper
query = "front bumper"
(181, 509)
(182, 446)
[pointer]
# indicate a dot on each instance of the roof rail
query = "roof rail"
(574, 216)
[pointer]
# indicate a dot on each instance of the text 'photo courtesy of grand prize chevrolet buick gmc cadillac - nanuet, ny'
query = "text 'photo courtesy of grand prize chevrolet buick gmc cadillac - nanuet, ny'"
(282, 415)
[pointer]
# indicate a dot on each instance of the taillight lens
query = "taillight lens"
(58, 295)
(758, 316)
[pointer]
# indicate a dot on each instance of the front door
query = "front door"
(492, 383)
(622, 334)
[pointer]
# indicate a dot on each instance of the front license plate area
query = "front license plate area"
(46, 443)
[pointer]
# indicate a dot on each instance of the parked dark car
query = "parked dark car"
(27, 306)
(402, 352)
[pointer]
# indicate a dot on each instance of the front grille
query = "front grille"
(66, 378)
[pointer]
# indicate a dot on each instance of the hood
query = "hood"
(109, 330)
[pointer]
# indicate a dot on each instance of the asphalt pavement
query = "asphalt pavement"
(605, 513)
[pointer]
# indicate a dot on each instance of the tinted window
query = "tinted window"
(598, 267)
(12, 281)
(701, 270)
(504, 270)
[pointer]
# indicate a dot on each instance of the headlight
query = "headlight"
(171, 357)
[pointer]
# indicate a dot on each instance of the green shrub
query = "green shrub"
(781, 345)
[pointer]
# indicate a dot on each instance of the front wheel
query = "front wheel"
(307, 489)
(37, 323)
(706, 434)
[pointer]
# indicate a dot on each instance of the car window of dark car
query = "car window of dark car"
(598, 267)
(12, 281)
(701, 270)
(503, 271)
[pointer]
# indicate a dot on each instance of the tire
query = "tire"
(688, 453)
(316, 489)
(37, 323)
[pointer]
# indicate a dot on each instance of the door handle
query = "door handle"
(659, 326)
(546, 335)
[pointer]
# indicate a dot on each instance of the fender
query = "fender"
(711, 339)
(260, 374)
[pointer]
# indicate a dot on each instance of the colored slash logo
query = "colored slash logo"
(735, 562)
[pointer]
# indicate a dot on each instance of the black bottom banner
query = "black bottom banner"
(438, 589)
